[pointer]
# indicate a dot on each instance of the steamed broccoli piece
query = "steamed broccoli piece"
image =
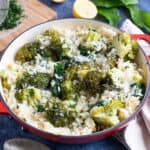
(5, 83)
(67, 90)
(78, 71)
(87, 44)
(106, 121)
(127, 48)
(137, 78)
(59, 114)
(38, 80)
(92, 81)
(106, 115)
(27, 52)
(46, 53)
(31, 95)
(56, 45)
(4, 79)
(87, 78)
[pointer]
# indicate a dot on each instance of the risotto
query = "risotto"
(74, 82)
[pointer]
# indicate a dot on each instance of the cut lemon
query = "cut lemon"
(58, 1)
(84, 9)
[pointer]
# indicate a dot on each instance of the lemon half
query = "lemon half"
(84, 9)
(58, 1)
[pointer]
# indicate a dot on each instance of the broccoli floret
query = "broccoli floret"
(78, 71)
(55, 42)
(58, 45)
(71, 72)
(92, 81)
(87, 78)
(5, 83)
(59, 114)
(106, 121)
(46, 53)
(38, 80)
(31, 95)
(4, 79)
(41, 80)
(27, 52)
(30, 50)
(127, 48)
(92, 41)
(137, 78)
(106, 115)
(67, 90)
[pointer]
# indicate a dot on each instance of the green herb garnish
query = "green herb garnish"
(15, 13)
(40, 108)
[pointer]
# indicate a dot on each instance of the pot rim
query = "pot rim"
(103, 132)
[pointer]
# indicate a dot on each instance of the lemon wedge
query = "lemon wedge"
(58, 1)
(84, 9)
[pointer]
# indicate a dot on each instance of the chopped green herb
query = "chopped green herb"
(17, 106)
(138, 90)
(40, 108)
(15, 13)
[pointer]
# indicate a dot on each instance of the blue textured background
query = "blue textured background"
(10, 129)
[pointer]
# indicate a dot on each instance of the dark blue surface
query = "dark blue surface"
(64, 10)
(10, 129)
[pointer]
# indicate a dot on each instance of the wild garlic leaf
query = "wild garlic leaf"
(107, 3)
(140, 18)
(129, 2)
(135, 15)
(146, 18)
(111, 14)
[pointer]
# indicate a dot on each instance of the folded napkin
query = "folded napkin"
(137, 133)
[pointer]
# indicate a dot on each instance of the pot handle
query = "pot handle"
(3, 109)
(141, 37)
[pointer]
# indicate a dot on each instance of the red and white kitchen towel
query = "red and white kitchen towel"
(137, 133)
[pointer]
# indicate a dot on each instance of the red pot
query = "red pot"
(24, 37)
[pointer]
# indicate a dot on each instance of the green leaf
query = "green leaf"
(111, 14)
(140, 18)
(113, 3)
(129, 2)
(107, 3)
(135, 15)
(146, 18)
